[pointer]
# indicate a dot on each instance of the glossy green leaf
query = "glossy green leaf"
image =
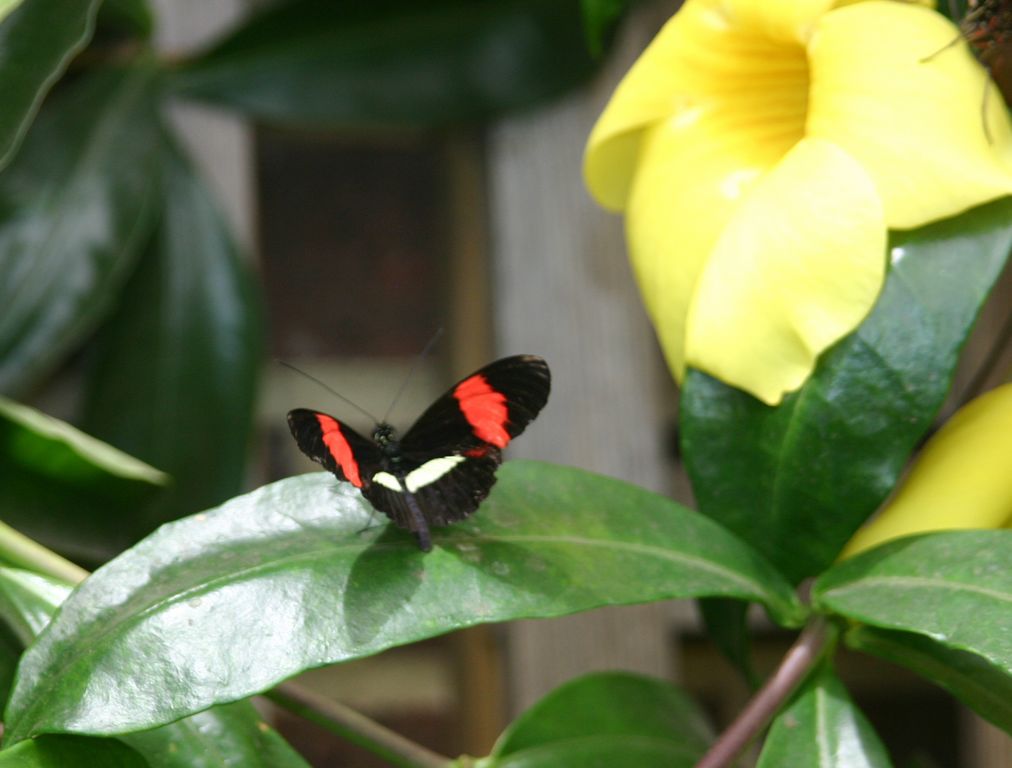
(221, 737)
(394, 61)
(938, 604)
(37, 40)
(797, 480)
(71, 752)
(74, 208)
(609, 719)
(822, 727)
(176, 365)
(66, 488)
(954, 587)
(977, 683)
(289, 577)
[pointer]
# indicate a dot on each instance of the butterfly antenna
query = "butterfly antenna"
(414, 366)
(335, 393)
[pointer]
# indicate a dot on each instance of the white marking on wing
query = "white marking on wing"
(387, 481)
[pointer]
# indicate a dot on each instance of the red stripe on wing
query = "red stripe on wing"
(338, 446)
(485, 409)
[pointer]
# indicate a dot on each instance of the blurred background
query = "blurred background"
(339, 241)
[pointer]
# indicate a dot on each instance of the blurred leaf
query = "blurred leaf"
(975, 681)
(394, 61)
(953, 587)
(28, 601)
(70, 752)
(73, 212)
(10, 655)
(176, 365)
(37, 40)
(608, 718)
(599, 19)
(288, 578)
(822, 727)
(66, 488)
(130, 16)
(797, 480)
(6, 6)
(726, 623)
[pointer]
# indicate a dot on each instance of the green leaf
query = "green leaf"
(233, 734)
(6, 6)
(599, 19)
(394, 61)
(288, 577)
(71, 752)
(610, 718)
(73, 210)
(175, 370)
(130, 16)
(976, 682)
(37, 41)
(66, 488)
(823, 727)
(954, 587)
(799, 479)
(10, 655)
(221, 737)
(28, 601)
(726, 623)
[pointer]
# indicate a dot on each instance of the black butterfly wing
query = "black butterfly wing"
(454, 449)
(336, 446)
(486, 409)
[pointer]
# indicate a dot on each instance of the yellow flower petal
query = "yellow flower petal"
(703, 60)
(910, 112)
(961, 480)
(799, 266)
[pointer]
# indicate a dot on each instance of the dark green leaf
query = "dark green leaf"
(65, 487)
(10, 655)
(395, 61)
(822, 727)
(609, 719)
(176, 365)
(130, 16)
(976, 682)
(799, 479)
(726, 623)
(289, 577)
(37, 40)
(953, 587)
(73, 210)
(71, 752)
(599, 19)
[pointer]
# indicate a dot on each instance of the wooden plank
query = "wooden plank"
(563, 288)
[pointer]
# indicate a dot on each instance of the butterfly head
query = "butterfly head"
(386, 438)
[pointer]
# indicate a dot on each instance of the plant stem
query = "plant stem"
(796, 665)
(19, 550)
(355, 727)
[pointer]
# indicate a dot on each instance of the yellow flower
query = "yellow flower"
(961, 480)
(761, 149)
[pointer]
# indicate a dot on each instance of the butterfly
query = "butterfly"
(444, 466)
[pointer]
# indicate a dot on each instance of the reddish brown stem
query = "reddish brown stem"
(796, 665)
